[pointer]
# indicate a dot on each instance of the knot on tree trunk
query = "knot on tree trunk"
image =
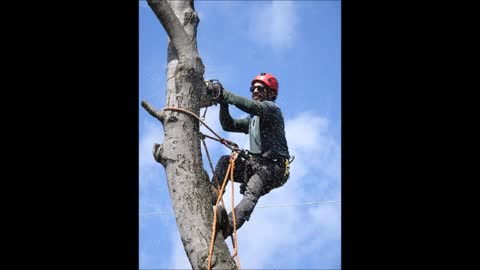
(199, 66)
(191, 65)
(157, 153)
(191, 18)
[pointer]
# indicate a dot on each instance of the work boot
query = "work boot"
(223, 222)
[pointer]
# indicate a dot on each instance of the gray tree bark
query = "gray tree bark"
(180, 153)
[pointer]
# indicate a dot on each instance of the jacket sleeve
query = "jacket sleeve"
(230, 124)
(247, 105)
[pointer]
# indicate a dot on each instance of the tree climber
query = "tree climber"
(267, 165)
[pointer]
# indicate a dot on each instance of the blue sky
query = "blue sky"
(300, 43)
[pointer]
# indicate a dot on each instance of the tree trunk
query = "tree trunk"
(180, 153)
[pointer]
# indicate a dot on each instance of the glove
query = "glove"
(218, 88)
(215, 90)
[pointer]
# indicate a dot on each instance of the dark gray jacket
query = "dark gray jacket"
(265, 125)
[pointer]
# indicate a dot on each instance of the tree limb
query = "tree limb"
(180, 39)
(160, 115)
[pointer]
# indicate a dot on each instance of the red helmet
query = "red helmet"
(267, 79)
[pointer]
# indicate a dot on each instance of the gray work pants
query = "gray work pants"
(257, 177)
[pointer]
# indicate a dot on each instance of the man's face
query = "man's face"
(259, 92)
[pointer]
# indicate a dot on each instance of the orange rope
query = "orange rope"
(192, 114)
(223, 141)
(234, 236)
(214, 226)
(230, 169)
(211, 167)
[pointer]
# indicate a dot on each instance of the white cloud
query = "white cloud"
(315, 149)
(274, 23)
(304, 131)
(273, 230)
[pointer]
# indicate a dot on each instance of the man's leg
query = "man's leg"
(221, 170)
(219, 174)
(244, 209)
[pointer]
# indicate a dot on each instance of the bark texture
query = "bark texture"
(180, 153)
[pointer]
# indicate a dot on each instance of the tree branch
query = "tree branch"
(159, 115)
(180, 39)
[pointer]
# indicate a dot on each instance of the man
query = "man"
(267, 167)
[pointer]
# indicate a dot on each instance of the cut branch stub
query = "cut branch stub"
(160, 115)
(157, 154)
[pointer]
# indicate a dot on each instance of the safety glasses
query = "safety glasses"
(260, 88)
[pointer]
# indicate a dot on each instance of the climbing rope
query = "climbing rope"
(204, 113)
(233, 157)
(231, 167)
(231, 145)
(211, 166)
(230, 170)
(216, 179)
(195, 116)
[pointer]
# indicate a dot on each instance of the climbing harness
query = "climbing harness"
(204, 113)
(287, 167)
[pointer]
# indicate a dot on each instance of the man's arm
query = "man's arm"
(244, 104)
(230, 124)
